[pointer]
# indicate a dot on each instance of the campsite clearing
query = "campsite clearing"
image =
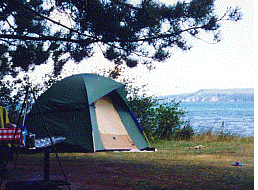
(173, 166)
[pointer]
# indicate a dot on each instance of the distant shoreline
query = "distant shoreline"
(214, 95)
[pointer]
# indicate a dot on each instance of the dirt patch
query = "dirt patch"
(83, 174)
(116, 171)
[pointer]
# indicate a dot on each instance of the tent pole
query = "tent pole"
(146, 138)
(24, 106)
(25, 112)
(94, 148)
(48, 132)
(22, 125)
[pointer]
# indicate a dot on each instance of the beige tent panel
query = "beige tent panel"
(108, 119)
(117, 142)
(112, 130)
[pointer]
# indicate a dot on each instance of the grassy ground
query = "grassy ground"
(173, 166)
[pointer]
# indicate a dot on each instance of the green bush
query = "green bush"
(160, 121)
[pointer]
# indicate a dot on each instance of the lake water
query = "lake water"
(238, 117)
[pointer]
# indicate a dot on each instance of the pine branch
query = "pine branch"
(44, 17)
(84, 42)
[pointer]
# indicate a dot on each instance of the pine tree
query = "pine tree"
(32, 31)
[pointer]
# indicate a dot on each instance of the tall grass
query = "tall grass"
(220, 136)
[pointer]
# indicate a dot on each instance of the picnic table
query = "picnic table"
(45, 145)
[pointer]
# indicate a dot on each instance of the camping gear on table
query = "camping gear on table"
(30, 141)
(46, 183)
(31, 146)
(90, 111)
(45, 142)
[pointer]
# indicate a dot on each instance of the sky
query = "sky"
(225, 65)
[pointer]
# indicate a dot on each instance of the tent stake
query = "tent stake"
(146, 138)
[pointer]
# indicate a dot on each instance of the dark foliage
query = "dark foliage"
(32, 31)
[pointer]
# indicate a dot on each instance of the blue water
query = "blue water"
(238, 117)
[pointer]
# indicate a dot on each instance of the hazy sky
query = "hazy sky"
(228, 64)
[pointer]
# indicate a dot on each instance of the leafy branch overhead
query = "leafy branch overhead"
(32, 31)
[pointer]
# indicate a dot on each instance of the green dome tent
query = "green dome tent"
(90, 111)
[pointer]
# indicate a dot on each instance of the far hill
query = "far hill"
(215, 95)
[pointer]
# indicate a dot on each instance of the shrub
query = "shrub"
(160, 121)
